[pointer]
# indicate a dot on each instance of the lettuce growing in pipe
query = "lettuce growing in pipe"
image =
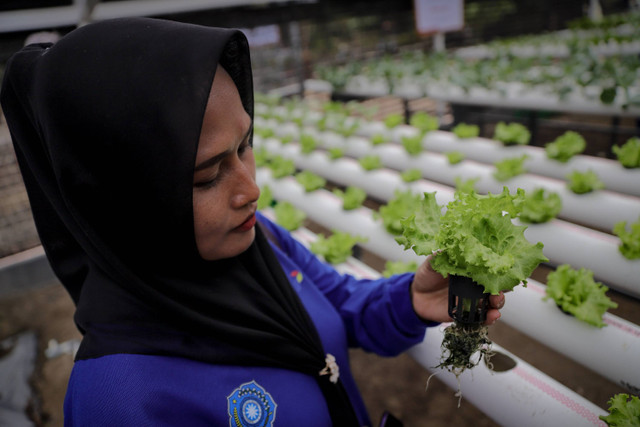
(352, 197)
(393, 120)
(454, 157)
(370, 162)
(310, 181)
(575, 292)
(624, 411)
(629, 240)
(628, 154)
(510, 167)
(399, 267)
(540, 206)
(335, 153)
(584, 182)
(512, 134)
(463, 131)
(411, 175)
(565, 146)
(403, 204)
(424, 122)
(266, 198)
(336, 248)
(288, 216)
(412, 144)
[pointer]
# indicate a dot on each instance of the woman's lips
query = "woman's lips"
(248, 224)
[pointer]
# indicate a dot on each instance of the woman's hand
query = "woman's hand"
(430, 295)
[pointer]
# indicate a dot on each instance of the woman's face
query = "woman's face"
(225, 193)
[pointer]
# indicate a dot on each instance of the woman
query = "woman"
(134, 141)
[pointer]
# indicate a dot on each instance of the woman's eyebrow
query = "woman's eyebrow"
(218, 157)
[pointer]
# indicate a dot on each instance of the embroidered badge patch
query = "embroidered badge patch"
(250, 405)
(297, 275)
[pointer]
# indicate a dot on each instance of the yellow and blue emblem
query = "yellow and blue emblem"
(250, 405)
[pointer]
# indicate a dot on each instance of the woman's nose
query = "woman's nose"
(246, 189)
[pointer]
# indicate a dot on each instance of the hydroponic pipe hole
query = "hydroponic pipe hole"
(500, 362)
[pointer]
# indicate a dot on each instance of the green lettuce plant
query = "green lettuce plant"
(411, 175)
(624, 411)
(378, 139)
(629, 153)
(477, 239)
(424, 122)
(412, 144)
(403, 204)
(393, 120)
(308, 143)
(336, 248)
(281, 167)
(288, 216)
(565, 146)
(540, 206)
(584, 182)
(454, 157)
(352, 197)
(335, 153)
(474, 238)
(310, 181)
(399, 267)
(467, 185)
(509, 167)
(512, 134)
(575, 292)
(463, 130)
(370, 162)
(266, 197)
(629, 240)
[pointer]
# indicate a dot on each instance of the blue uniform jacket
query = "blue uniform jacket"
(143, 390)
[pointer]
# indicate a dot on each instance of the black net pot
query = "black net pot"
(468, 303)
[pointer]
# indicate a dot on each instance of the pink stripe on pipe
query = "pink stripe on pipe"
(559, 396)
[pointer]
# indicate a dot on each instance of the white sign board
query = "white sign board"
(435, 16)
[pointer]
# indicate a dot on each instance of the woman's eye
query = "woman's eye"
(208, 183)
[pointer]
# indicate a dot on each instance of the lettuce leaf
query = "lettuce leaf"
(266, 197)
(413, 144)
(393, 120)
(510, 167)
(281, 167)
(425, 122)
(584, 182)
(474, 238)
(540, 206)
(463, 130)
(575, 292)
(378, 139)
(307, 143)
(310, 181)
(624, 411)
(466, 186)
(352, 197)
(289, 216)
(454, 157)
(335, 153)
(628, 154)
(565, 146)
(512, 133)
(261, 156)
(399, 207)
(629, 240)
(370, 162)
(336, 248)
(411, 175)
(398, 267)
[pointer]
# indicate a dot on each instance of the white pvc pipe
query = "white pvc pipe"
(599, 209)
(611, 172)
(522, 396)
(611, 351)
(565, 243)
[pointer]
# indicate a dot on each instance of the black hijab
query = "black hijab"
(105, 125)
